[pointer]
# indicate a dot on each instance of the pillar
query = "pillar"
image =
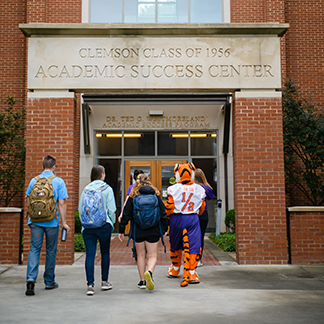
(53, 128)
(259, 186)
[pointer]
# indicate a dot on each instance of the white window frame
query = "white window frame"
(86, 11)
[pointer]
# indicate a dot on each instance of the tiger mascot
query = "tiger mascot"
(185, 203)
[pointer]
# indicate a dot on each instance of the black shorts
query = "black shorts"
(149, 238)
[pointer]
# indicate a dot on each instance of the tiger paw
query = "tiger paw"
(193, 277)
(184, 283)
(173, 272)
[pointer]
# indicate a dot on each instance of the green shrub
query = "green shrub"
(303, 138)
(230, 220)
(12, 151)
(226, 241)
(77, 223)
(78, 243)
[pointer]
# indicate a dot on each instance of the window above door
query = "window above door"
(156, 11)
(156, 143)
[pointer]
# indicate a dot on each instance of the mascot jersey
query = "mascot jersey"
(185, 203)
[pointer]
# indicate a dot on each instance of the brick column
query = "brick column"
(259, 187)
(307, 234)
(10, 235)
(52, 119)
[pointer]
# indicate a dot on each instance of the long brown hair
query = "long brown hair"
(200, 178)
(142, 180)
(96, 172)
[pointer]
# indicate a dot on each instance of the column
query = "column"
(52, 128)
(259, 186)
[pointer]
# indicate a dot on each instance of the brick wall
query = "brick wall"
(259, 181)
(9, 237)
(307, 237)
(13, 51)
(51, 129)
(257, 11)
(54, 11)
(12, 60)
(305, 42)
(64, 127)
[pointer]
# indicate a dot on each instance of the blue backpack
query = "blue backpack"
(93, 214)
(146, 211)
(146, 214)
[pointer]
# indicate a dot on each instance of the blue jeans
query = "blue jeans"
(36, 242)
(90, 237)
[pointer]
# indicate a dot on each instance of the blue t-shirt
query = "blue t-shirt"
(130, 189)
(60, 192)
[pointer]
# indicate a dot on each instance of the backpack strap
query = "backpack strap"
(50, 178)
(104, 187)
(130, 236)
(162, 236)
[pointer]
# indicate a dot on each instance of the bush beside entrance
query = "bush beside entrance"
(226, 241)
(78, 239)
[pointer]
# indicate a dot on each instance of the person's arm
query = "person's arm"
(209, 193)
(111, 205)
(169, 206)
(62, 210)
(202, 207)
(121, 214)
(126, 215)
(163, 215)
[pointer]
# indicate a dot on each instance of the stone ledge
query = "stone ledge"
(176, 30)
(10, 210)
(306, 209)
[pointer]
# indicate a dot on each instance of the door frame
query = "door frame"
(156, 170)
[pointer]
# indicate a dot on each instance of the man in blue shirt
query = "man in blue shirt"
(49, 228)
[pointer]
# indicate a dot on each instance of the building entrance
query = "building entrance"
(153, 133)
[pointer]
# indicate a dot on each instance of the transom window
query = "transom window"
(156, 11)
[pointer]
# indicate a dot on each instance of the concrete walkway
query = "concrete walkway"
(227, 294)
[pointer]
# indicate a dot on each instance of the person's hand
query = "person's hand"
(121, 237)
(120, 217)
(67, 227)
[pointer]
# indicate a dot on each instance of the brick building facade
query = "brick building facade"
(54, 121)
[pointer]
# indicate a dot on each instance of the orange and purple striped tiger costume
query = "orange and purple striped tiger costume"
(185, 204)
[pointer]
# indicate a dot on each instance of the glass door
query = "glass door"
(165, 176)
(160, 173)
(147, 167)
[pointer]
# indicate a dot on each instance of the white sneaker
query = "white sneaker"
(200, 264)
(106, 285)
(90, 291)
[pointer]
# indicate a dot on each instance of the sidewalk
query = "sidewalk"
(228, 293)
(120, 254)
